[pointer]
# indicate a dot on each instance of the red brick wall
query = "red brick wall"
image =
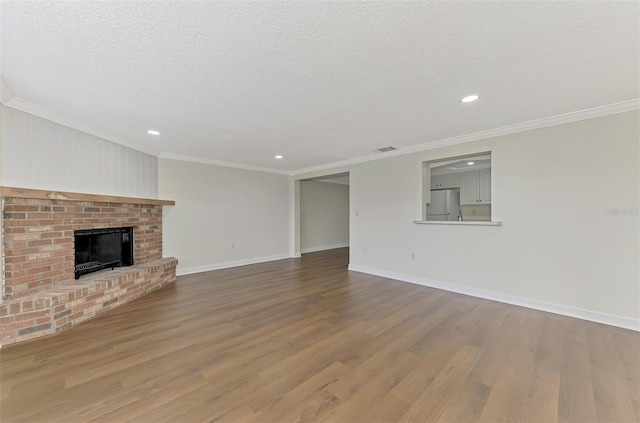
(39, 244)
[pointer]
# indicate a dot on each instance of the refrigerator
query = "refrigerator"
(444, 205)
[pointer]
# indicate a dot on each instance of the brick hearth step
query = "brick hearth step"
(55, 310)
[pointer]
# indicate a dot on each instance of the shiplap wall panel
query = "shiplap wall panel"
(115, 168)
(54, 173)
(66, 148)
(21, 146)
(131, 171)
(8, 164)
(76, 159)
(137, 174)
(106, 165)
(88, 157)
(154, 175)
(99, 170)
(144, 172)
(41, 154)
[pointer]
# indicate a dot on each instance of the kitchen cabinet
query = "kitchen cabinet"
(484, 186)
(476, 187)
(447, 181)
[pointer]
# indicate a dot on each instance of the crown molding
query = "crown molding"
(203, 160)
(64, 120)
(610, 109)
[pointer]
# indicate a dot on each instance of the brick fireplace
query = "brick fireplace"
(41, 296)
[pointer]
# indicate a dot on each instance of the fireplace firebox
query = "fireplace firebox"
(98, 249)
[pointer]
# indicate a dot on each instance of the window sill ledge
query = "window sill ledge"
(457, 223)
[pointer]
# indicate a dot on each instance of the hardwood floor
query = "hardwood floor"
(306, 340)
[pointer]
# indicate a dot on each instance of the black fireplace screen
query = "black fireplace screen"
(98, 249)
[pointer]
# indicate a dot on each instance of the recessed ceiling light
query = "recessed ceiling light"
(470, 98)
(469, 163)
(153, 132)
(279, 156)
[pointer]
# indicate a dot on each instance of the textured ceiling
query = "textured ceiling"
(318, 82)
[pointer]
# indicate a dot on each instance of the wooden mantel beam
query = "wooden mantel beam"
(76, 196)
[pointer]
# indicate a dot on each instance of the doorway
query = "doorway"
(323, 213)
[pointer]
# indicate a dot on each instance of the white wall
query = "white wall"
(223, 216)
(41, 154)
(559, 248)
(324, 215)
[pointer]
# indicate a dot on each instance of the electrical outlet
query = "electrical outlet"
(233, 245)
(364, 250)
(357, 212)
(413, 256)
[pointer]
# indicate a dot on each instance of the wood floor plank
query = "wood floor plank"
(138, 400)
(510, 397)
(612, 399)
(495, 349)
(308, 400)
(293, 371)
(447, 392)
(306, 340)
(357, 403)
(576, 385)
(369, 365)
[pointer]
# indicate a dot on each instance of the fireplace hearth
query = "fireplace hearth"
(97, 249)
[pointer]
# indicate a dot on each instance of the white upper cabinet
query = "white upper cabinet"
(476, 187)
(484, 186)
(451, 180)
(469, 189)
(436, 181)
(446, 181)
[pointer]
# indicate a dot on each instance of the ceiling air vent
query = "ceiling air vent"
(384, 149)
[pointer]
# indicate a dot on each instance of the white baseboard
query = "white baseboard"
(594, 316)
(323, 247)
(228, 264)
